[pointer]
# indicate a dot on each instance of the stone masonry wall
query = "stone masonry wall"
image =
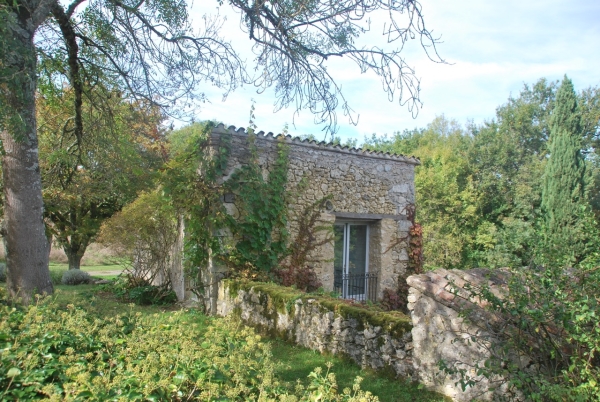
(444, 318)
(375, 340)
(374, 187)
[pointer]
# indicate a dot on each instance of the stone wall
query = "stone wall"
(371, 187)
(444, 317)
(372, 339)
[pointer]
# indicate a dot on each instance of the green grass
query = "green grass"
(297, 362)
(88, 268)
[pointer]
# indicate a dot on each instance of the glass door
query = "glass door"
(351, 259)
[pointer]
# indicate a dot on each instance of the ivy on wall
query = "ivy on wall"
(260, 231)
(254, 241)
(190, 183)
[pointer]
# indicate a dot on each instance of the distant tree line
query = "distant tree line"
(520, 189)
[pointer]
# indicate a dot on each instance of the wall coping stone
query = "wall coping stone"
(374, 339)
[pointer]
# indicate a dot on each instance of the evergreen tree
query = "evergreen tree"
(563, 192)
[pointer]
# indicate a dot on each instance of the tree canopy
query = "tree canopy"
(479, 188)
(119, 157)
(564, 184)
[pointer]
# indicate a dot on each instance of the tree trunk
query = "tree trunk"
(74, 254)
(27, 247)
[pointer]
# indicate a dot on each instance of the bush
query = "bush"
(56, 276)
(543, 335)
(157, 295)
(392, 301)
(141, 293)
(303, 278)
(2, 272)
(76, 277)
(72, 355)
(143, 232)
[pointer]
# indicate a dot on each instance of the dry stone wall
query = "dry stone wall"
(374, 340)
(445, 317)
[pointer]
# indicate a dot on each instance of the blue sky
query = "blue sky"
(493, 48)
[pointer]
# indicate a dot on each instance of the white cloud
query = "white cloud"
(495, 48)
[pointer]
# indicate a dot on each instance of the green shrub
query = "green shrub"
(56, 276)
(76, 277)
(2, 272)
(544, 338)
(145, 295)
(72, 355)
(130, 291)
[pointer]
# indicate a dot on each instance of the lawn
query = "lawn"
(88, 268)
(296, 362)
(293, 363)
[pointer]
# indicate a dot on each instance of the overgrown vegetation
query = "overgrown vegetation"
(87, 180)
(260, 236)
(311, 233)
(479, 187)
(58, 351)
(254, 243)
(517, 192)
(542, 335)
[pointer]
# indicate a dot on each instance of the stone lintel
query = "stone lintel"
(372, 217)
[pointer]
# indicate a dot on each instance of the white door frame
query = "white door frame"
(346, 256)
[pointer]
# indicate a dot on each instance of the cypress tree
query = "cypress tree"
(564, 185)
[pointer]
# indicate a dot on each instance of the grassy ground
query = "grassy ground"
(87, 268)
(294, 362)
(297, 362)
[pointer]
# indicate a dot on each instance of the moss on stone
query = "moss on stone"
(280, 295)
(283, 298)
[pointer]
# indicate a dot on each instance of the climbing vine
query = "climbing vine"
(396, 299)
(255, 240)
(260, 231)
(190, 182)
(311, 233)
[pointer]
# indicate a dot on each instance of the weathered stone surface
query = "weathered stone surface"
(445, 316)
(358, 182)
(312, 325)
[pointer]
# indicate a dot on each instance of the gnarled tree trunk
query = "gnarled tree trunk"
(27, 247)
(74, 257)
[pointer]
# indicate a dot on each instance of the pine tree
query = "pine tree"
(563, 192)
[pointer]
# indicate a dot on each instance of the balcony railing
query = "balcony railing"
(359, 287)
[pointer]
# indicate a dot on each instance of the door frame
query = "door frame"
(346, 224)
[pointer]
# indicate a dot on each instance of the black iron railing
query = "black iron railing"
(356, 286)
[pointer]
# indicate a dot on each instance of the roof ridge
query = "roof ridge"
(221, 129)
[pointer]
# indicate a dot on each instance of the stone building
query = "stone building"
(369, 196)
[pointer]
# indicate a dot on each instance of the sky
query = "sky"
(492, 48)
